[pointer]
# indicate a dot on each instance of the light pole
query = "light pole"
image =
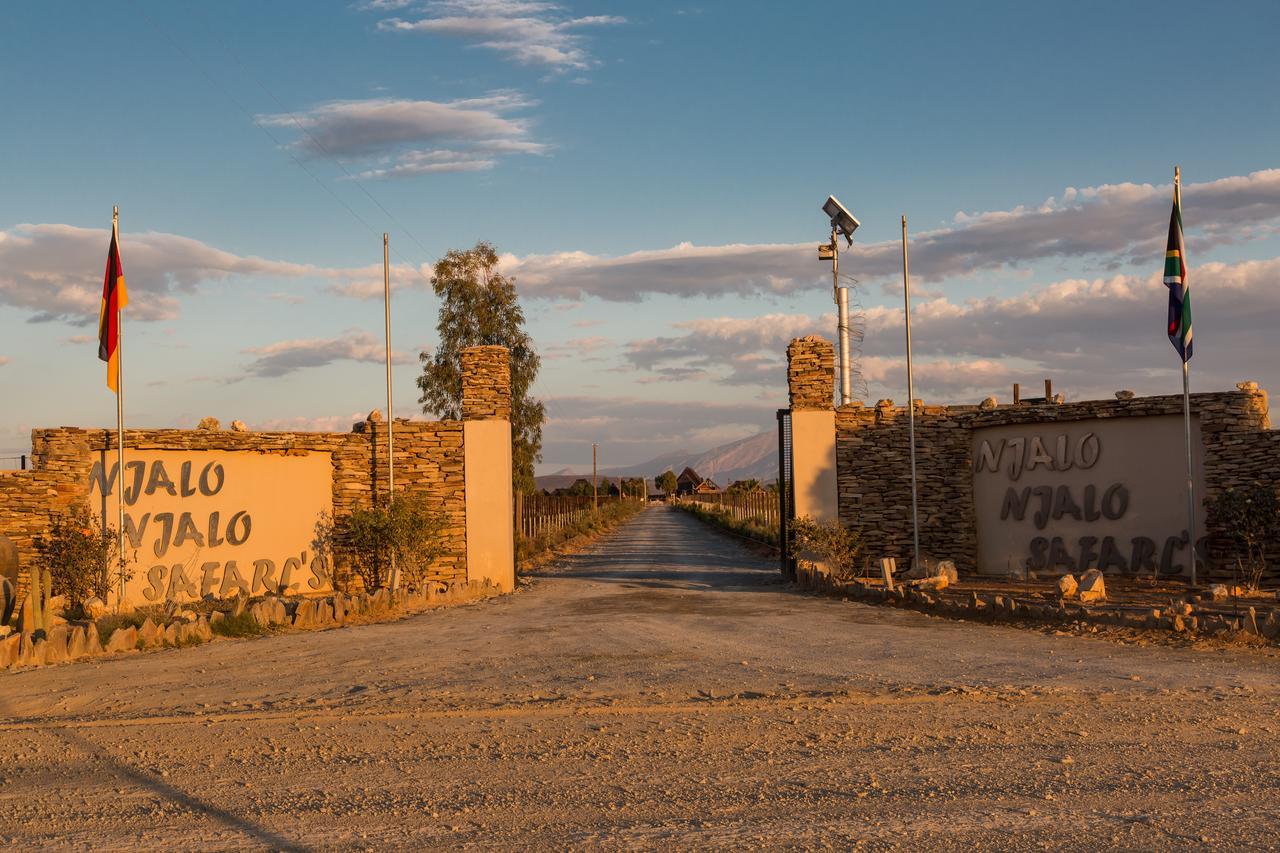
(842, 222)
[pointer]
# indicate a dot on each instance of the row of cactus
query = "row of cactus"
(8, 600)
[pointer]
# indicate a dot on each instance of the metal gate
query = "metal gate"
(786, 494)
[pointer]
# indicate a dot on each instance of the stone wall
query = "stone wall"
(810, 367)
(486, 384)
(429, 458)
(873, 463)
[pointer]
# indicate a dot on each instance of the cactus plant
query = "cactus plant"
(8, 600)
(40, 593)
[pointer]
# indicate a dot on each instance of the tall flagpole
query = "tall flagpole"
(115, 235)
(391, 419)
(1186, 395)
(911, 398)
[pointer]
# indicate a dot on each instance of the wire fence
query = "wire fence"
(761, 506)
(19, 463)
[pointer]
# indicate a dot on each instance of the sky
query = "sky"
(652, 175)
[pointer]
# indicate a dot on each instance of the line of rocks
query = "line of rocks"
(1180, 617)
(73, 641)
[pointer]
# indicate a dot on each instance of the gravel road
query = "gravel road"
(661, 690)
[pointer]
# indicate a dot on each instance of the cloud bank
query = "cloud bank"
(1117, 223)
(285, 357)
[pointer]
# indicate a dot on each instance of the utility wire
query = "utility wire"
(280, 144)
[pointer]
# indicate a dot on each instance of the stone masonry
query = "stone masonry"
(873, 461)
(811, 364)
(428, 456)
(486, 384)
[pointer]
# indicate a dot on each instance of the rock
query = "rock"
(210, 424)
(202, 631)
(1247, 386)
(947, 569)
(239, 426)
(77, 645)
(1125, 395)
(937, 582)
(216, 616)
(92, 642)
(57, 611)
(33, 651)
(375, 417)
(1067, 586)
(1251, 622)
(1219, 592)
(188, 616)
(9, 648)
(94, 607)
(149, 633)
(122, 640)
(988, 403)
(1271, 626)
(303, 616)
(1092, 587)
(238, 605)
(171, 632)
(56, 644)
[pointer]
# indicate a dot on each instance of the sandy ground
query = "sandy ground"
(660, 690)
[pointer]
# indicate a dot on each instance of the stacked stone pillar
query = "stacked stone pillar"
(486, 436)
(811, 385)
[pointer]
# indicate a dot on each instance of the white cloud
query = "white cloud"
(1092, 337)
(530, 33)
(388, 134)
(1115, 223)
(285, 357)
(54, 271)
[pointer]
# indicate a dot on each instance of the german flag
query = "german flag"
(114, 297)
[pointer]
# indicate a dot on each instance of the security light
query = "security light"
(841, 218)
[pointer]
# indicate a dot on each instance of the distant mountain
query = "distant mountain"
(755, 457)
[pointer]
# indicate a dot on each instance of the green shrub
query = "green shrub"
(830, 542)
(410, 529)
(82, 555)
(242, 625)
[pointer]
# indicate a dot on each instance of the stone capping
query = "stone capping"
(874, 493)
(486, 384)
(811, 373)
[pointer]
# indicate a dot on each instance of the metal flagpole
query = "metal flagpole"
(1186, 398)
(911, 398)
(115, 236)
(391, 466)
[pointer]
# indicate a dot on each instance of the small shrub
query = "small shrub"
(409, 529)
(242, 625)
(831, 542)
(82, 556)
(1250, 516)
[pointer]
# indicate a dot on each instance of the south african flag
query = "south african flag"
(1175, 278)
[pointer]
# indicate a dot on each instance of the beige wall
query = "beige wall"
(813, 454)
(1096, 493)
(216, 522)
(490, 532)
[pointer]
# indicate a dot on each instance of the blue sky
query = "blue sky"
(1030, 145)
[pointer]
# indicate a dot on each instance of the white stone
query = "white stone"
(1092, 587)
(1067, 586)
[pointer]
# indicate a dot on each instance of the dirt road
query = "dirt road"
(661, 690)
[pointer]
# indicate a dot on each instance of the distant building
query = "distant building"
(687, 482)
(706, 487)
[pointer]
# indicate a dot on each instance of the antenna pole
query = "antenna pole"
(391, 465)
(911, 398)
